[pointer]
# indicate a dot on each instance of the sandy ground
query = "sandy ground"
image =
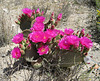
(23, 75)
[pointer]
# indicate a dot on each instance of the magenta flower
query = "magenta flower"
(43, 50)
(36, 36)
(40, 19)
(37, 27)
(68, 31)
(59, 32)
(27, 11)
(16, 53)
(67, 41)
(45, 37)
(18, 38)
(51, 33)
(63, 44)
(59, 17)
(86, 42)
(73, 40)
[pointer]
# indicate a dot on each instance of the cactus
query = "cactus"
(43, 40)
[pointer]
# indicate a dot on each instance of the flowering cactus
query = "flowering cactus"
(48, 41)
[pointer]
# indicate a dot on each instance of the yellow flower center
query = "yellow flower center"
(44, 37)
(43, 49)
(36, 36)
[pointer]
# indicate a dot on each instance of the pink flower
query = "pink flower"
(27, 11)
(43, 50)
(16, 53)
(67, 41)
(38, 10)
(18, 38)
(40, 19)
(51, 33)
(86, 42)
(63, 44)
(69, 31)
(37, 27)
(73, 40)
(59, 32)
(36, 36)
(44, 37)
(59, 17)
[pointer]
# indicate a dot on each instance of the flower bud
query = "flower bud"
(22, 52)
(24, 41)
(88, 36)
(27, 41)
(57, 41)
(53, 26)
(77, 33)
(82, 31)
(19, 19)
(33, 11)
(32, 17)
(19, 16)
(59, 17)
(23, 47)
(52, 15)
(42, 12)
(29, 46)
(20, 45)
(51, 19)
(17, 22)
(38, 11)
(22, 15)
(56, 23)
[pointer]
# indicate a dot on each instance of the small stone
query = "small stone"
(5, 10)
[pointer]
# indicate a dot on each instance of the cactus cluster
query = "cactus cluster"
(43, 40)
